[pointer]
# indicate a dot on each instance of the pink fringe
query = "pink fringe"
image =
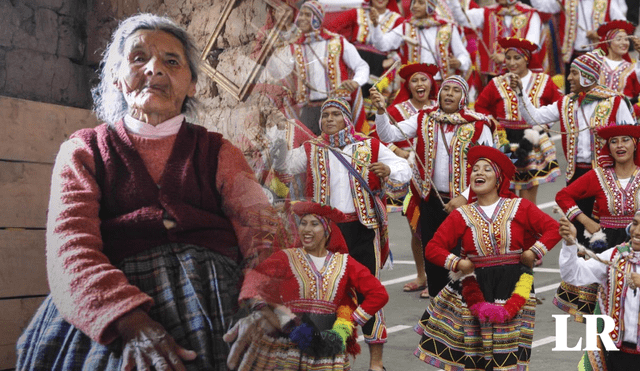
(491, 313)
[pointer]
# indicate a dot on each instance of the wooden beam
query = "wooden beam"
(33, 131)
(16, 314)
(22, 263)
(24, 194)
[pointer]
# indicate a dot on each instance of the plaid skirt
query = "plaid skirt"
(195, 292)
(453, 339)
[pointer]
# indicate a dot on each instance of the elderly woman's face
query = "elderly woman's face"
(154, 76)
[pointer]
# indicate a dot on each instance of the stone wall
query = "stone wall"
(43, 51)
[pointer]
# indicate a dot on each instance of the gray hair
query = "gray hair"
(109, 102)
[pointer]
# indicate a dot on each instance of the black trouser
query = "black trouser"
(586, 205)
(432, 214)
(621, 361)
(360, 242)
(374, 60)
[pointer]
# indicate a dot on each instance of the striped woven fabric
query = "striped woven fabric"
(195, 293)
(452, 338)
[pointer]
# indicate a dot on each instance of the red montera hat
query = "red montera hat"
(614, 129)
(505, 169)
(410, 69)
(618, 24)
(608, 31)
(303, 208)
(522, 46)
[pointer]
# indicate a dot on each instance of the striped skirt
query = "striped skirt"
(453, 339)
(195, 292)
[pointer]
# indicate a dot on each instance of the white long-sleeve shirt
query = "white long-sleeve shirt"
(340, 195)
(282, 63)
(476, 16)
(389, 133)
(617, 10)
(580, 272)
(427, 39)
(547, 115)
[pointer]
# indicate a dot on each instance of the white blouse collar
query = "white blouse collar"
(164, 129)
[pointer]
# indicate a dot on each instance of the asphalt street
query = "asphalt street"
(405, 309)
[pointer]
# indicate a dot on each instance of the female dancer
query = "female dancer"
(617, 64)
(536, 153)
(484, 317)
(417, 91)
(309, 286)
(615, 184)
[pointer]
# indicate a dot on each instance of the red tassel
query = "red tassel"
(514, 304)
(353, 347)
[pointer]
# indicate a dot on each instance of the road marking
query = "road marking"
(399, 280)
(546, 205)
(547, 270)
(390, 330)
(547, 288)
(406, 262)
(547, 340)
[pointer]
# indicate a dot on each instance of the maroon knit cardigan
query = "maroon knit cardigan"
(133, 206)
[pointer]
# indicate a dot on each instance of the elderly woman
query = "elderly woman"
(313, 281)
(483, 319)
(149, 221)
(443, 135)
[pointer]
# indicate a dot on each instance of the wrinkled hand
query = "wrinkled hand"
(350, 85)
(250, 329)
(567, 231)
(455, 203)
(528, 258)
(147, 345)
(466, 266)
(593, 36)
(454, 63)
(498, 58)
(377, 100)
(380, 169)
(373, 12)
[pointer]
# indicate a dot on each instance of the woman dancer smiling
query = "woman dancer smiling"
(492, 294)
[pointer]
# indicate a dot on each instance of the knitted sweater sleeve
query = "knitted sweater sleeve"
(87, 289)
(246, 205)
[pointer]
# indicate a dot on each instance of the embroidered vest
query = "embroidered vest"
(427, 145)
(569, 112)
(491, 233)
(363, 36)
(615, 79)
(336, 70)
(511, 113)
(319, 182)
(318, 286)
(495, 28)
(620, 202)
(411, 53)
(612, 295)
(569, 23)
